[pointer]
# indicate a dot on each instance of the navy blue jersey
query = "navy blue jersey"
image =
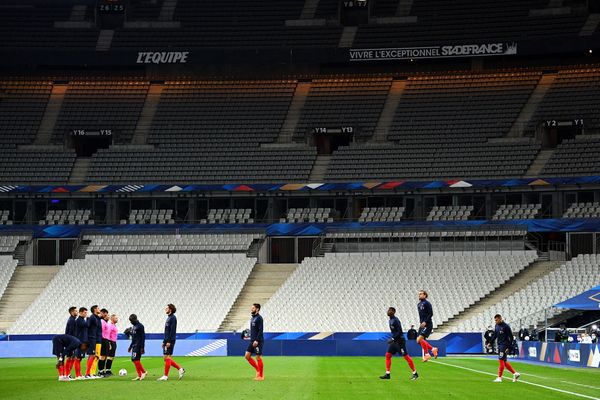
(70, 329)
(504, 335)
(425, 312)
(64, 345)
(98, 328)
(256, 328)
(92, 324)
(138, 337)
(170, 329)
(396, 329)
(81, 330)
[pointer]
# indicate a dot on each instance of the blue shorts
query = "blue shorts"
(425, 332)
(168, 351)
(91, 350)
(502, 353)
(136, 355)
(398, 347)
(258, 350)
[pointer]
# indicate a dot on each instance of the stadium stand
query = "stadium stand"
(330, 287)
(575, 157)
(43, 165)
(381, 214)
(450, 213)
(7, 268)
(575, 94)
(211, 131)
(5, 217)
(208, 282)
(228, 216)
(60, 217)
(465, 21)
(241, 163)
(309, 215)
(460, 159)
(475, 105)
(22, 105)
(344, 102)
(33, 26)
(426, 240)
(101, 105)
(160, 216)
(8, 243)
(170, 243)
(583, 210)
(528, 304)
(517, 211)
(232, 24)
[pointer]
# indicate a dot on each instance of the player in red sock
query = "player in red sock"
(169, 343)
(256, 342)
(397, 344)
(70, 329)
(504, 336)
(81, 332)
(425, 316)
(136, 348)
(64, 347)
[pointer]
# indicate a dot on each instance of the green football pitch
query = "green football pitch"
(303, 378)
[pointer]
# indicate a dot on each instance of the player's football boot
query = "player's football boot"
(498, 379)
(435, 352)
(414, 376)
(385, 376)
(426, 357)
(516, 376)
(181, 373)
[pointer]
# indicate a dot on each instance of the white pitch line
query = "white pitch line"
(520, 380)
(579, 384)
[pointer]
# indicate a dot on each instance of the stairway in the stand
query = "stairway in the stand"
(293, 115)
(386, 118)
(24, 287)
(537, 166)
(537, 96)
(263, 282)
(80, 170)
(44, 133)
(319, 170)
(144, 124)
(105, 38)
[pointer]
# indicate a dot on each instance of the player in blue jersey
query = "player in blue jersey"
(397, 344)
(257, 341)
(426, 326)
(504, 337)
(168, 344)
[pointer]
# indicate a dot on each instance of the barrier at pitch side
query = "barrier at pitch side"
(335, 347)
(571, 354)
(230, 347)
(43, 348)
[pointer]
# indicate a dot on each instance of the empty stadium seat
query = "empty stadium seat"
(351, 292)
(202, 286)
(530, 305)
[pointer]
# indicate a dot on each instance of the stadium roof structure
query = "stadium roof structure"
(589, 300)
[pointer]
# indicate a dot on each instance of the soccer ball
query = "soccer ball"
(123, 372)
